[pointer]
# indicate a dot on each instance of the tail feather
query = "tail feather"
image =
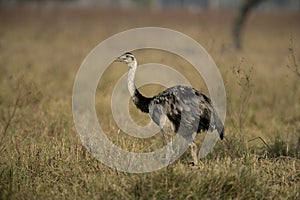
(221, 133)
(219, 127)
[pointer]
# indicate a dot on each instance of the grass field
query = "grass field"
(41, 155)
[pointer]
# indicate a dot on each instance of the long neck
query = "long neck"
(131, 76)
(138, 99)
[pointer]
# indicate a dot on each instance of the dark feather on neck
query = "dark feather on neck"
(141, 102)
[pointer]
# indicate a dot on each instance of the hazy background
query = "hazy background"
(165, 4)
(42, 45)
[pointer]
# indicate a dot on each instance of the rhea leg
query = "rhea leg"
(163, 136)
(194, 153)
(194, 150)
(161, 121)
(169, 147)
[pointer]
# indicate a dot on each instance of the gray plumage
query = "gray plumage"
(185, 107)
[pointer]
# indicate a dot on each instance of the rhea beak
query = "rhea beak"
(118, 59)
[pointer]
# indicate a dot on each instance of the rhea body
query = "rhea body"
(186, 108)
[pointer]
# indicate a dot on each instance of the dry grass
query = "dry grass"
(41, 154)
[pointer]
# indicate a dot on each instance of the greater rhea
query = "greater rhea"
(182, 105)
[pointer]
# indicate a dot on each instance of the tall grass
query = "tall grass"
(43, 157)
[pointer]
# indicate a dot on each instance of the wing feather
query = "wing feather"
(186, 108)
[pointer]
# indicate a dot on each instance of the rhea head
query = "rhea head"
(130, 60)
(126, 58)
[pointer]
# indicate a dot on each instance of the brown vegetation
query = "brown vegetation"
(41, 50)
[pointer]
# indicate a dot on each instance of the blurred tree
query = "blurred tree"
(244, 10)
(142, 2)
